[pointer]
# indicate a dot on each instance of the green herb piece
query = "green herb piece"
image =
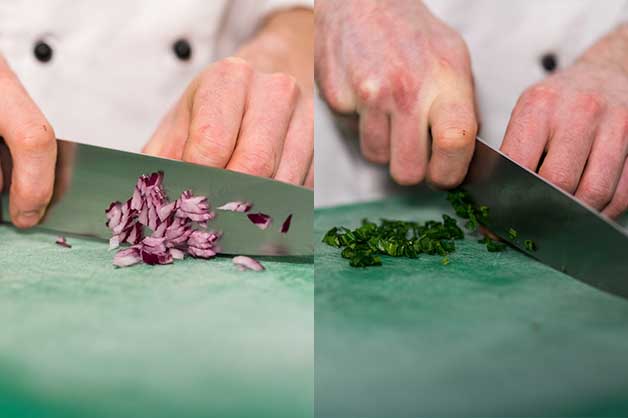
(529, 245)
(512, 234)
(464, 207)
(492, 246)
(444, 261)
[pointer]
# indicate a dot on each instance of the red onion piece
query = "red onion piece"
(237, 206)
(194, 208)
(261, 220)
(127, 257)
(203, 243)
(247, 263)
(176, 254)
(286, 224)
(62, 242)
(178, 231)
(153, 251)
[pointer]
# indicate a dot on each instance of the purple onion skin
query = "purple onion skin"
(286, 224)
(261, 220)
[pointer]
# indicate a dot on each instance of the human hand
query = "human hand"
(253, 112)
(405, 73)
(30, 172)
(578, 117)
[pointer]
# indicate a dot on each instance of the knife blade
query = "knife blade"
(90, 178)
(570, 236)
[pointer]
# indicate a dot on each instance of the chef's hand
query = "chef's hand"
(31, 143)
(579, 118)
(405, 73)
(253, 112)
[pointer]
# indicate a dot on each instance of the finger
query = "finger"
(454, 127)
(298, 149)
(605, 163)
(269, 108)
(529, 127)
(216, 112)
(332, 79)
(619, 202)
(309, 180)
(33, 147)
(570, 144)
(375, 135)
(170, 136)
(408, 147)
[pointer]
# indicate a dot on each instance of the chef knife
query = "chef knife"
(89, 178)
(569, 236)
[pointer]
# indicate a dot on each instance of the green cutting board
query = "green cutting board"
(490, 334)
(79, 338)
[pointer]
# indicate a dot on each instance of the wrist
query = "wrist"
(284, 44)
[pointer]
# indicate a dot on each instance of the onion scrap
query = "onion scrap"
(247, 263)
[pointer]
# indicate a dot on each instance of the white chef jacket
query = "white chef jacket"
(506, 39)
(113, 73)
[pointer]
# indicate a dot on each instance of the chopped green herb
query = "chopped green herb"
(363, 245)
(529, 245)
(492, 246)
(465, 208)
(394, 238)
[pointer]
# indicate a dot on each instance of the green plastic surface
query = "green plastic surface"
(79, 338)
(490, 334)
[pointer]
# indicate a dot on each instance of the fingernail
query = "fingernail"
(29, 216)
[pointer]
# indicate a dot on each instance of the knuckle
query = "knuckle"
(258, 162)
(285, 84)
(561, 179)
(407, 174)
(234, 67)
(212, 144)
(454, 140)
(590, 103)
(370, 91)
(35, 137)
(597, 195)
(538, 95)
(375, 154)
(404, 88)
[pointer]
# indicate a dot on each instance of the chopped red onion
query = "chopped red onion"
(172, 225)
(247, 263)
(237, 206)
(203, 243)
(261, 220)
(286, 224)
(122, 220)
(62, 242)
(127, 257)
(195, 208)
